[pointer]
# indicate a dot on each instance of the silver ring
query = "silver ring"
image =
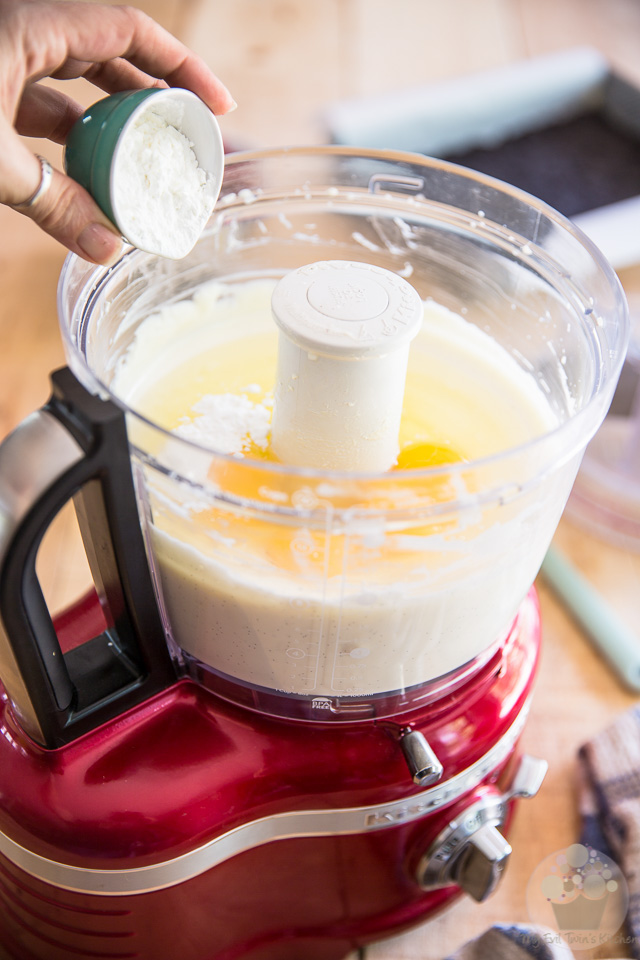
(46, 177)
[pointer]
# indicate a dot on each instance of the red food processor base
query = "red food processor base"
(191, 828)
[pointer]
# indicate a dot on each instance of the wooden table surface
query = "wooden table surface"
(284, 60)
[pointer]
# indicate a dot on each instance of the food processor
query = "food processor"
(287, 715)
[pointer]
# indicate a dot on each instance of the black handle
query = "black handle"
(58, 697)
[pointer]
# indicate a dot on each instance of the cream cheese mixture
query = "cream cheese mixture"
(328, 603)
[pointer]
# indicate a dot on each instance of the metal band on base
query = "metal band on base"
(281, 826)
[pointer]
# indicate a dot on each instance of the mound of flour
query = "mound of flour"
(161, 196)
(229, 423)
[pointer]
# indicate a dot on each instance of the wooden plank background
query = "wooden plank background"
(284, 61)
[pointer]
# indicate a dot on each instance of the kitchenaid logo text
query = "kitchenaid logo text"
(382, 818)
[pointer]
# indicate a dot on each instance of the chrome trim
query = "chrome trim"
(449, 859)
(424, 766)
(280, 826)
(32, 458)
(435, 867)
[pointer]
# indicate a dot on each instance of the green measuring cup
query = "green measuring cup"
(97, 140)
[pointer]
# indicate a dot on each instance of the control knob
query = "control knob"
(471, 852)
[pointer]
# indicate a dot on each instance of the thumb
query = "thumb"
(69, 214)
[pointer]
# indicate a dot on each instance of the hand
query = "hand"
(116, 48)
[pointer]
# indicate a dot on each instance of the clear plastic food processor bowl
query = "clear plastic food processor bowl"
(285, 587)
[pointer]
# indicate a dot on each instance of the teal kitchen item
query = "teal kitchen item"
(617, 643)
(96, 139)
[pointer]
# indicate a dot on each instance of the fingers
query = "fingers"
(44, 112)
(70, 216)
(49, 113)
(65, 210)
(96, 33)
(113, 76)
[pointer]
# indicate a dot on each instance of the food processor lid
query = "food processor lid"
(346, 309)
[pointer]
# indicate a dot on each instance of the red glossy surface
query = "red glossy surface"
(183, 768)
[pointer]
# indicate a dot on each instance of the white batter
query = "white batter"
(320, 607)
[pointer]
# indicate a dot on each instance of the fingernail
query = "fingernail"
(234, 106)
(99, 243)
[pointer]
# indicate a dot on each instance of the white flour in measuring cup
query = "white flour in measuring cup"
(163, 196)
